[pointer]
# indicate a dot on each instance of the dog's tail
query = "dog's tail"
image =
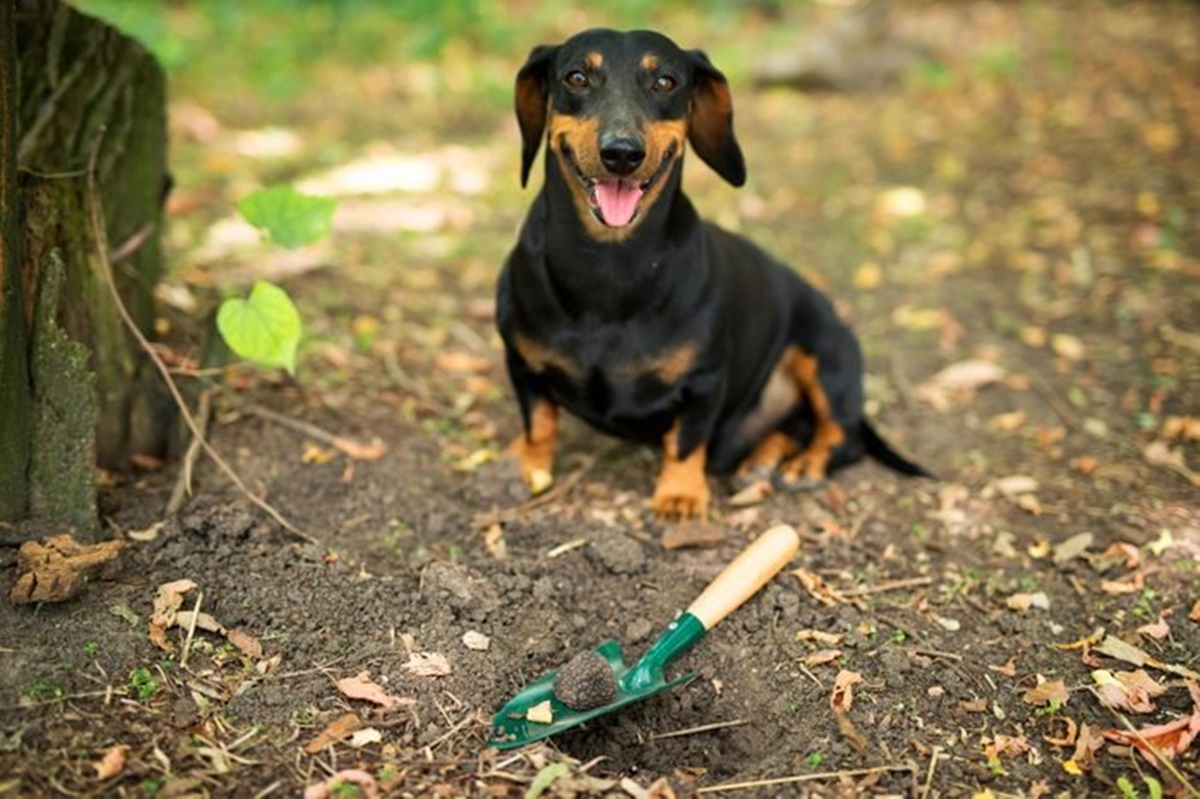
(882, 451)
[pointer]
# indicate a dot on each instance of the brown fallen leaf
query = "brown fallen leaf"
(843, 690)
(339, 785)
(820, 636)
(1084, 756)
(247, 644)
(369, 451)
(753, 494)
(459, 362)
(1158, 630)
(1009, 669)
(167, 601)
(111, 763)
(1074, 547)
(1069, 734)
(361, 686)
(822, 657)
(850, 733)
(814, 584)
(202, 621)
(1050, 692)
(1023, 602)
(1118, 587)
(427, 664)
(1171, 739)
(1194, 613)
(1004, 746)
(1130, 691)
(56, 568)
(693, 535)
(339, 729)
(957, 383)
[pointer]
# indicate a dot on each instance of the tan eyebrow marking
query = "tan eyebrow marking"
(649, 62)
(594, 60)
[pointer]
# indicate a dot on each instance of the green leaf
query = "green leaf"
(290, 218)
(264, 329)
(544, 778)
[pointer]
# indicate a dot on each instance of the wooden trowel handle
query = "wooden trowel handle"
(748, 572)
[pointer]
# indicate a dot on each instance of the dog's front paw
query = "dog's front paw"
(535, 463)
(676, 498)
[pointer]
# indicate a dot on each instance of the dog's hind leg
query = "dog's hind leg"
(809, 466)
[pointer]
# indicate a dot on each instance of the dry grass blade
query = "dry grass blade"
(716, 725)
(798, 778)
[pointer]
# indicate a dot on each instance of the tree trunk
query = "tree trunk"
(77, 391)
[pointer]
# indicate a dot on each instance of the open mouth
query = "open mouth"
(616, 202)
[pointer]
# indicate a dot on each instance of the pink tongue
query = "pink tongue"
(618, 200)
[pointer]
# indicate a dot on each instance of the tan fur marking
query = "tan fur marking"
(668, 366)
(594, 60)
(538, 357)
(583, 137)
(682, 490)
(769, 452)
(812, 464)
(534, 450)
(649, 62)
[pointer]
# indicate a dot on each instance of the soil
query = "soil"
(1058, 240)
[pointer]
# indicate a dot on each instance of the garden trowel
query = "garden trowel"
(540, 711)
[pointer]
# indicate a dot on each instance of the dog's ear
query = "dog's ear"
(710, 120)
(532, 100)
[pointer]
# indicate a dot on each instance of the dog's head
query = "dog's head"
(615, 109)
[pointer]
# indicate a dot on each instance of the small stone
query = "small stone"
(586, 682)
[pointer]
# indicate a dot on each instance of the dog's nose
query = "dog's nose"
(621, 154)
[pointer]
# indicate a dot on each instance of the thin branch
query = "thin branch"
(96, 217)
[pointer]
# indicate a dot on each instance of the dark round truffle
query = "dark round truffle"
(586, 682)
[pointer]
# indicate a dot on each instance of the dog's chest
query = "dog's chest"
(609, 373)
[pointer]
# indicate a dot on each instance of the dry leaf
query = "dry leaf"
(338, 785)
(1157, 630)
(1086, 744)
(494, 543)
(476, 640)
(958, 383)
(1171, 739)
(815, 586)
(247, 644)
(56, 568)
(753, 494)
(822, 657)
(820, 636)
(202, 621)
(427, 664)
(359, 451)
(1005, 746)
(1013, 485)
(1131, 691)
(339, 729)
(843, 690)
(693, 534)
(1051, 692)
(1068, 346)
(1194, 613)
(1023, 602)
(868, 276)
(365, 737)
(361, 686)
(1008, 422)
(167, 601)
(1185, 427)
(1068, 737)
(112, 763)
(1073, 547)
(1009, 669)
(459, 362)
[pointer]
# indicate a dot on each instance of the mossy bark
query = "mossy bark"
(88, 396)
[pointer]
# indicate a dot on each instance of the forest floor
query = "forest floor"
(1010, 225)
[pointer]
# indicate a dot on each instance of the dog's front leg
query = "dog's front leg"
(682, 490)
(534, 448)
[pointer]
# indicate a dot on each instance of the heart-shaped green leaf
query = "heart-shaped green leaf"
(290, 218)
(264, 329)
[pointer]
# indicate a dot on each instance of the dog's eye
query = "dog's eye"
(577, 80)
(664, 84)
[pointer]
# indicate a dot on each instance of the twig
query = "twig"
(183, 485)
(563, 549)
(935, 653)
(823, 775)
(451, 732)
(191, 631)
(716, 725)
(343, 444)
(96, 218)
(933, 759)
(894, 585)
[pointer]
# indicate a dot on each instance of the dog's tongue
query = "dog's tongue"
(618, 200)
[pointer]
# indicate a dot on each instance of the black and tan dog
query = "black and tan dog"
(619, 305)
